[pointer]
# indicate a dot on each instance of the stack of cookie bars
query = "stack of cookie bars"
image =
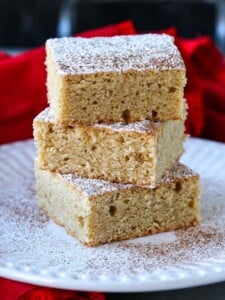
(109, 144)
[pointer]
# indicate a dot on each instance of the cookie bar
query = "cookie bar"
(138, 153)
(115, 79)
(97, 211)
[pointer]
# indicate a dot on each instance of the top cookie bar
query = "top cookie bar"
(114, 79)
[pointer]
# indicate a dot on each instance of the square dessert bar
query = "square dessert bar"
(138, 153)
(97, 211)
(115, 79)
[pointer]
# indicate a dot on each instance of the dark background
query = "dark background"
(26, 23)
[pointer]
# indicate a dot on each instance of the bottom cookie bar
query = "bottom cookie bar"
(98, 212)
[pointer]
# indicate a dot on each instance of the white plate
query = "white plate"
(35, 250)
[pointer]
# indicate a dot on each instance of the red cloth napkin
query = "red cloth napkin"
(13, 290)
(205, 89)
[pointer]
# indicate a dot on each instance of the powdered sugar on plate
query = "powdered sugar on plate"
(38, 251)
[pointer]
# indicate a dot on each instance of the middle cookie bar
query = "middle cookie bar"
(138, 153)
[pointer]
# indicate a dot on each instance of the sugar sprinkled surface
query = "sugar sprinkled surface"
(144, 126)
(115, 54)
(93, 187)
(29, 239)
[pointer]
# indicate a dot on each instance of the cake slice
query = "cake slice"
(115, 79)
(137, 153)
(98, 212)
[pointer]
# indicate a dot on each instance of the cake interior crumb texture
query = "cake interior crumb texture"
(115, 79)
(97, 212)
(138, 153)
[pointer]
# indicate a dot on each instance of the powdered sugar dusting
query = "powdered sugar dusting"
(94, 187)
(115, 54)
(144, 126)
(32, 245)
